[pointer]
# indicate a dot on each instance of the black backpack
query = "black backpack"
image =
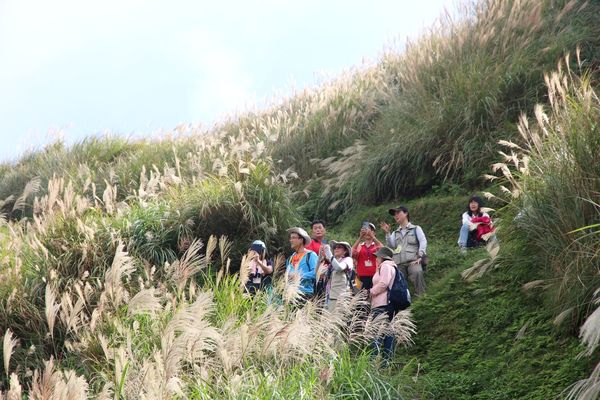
(398, 294)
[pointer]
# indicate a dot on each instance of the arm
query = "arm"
(390, 239)
(356, 248)
(264, 266)
(341, 265)
(385, 273)
(466, 219)
(422, 241)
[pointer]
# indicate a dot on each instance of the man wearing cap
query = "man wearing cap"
(363, 252)
(302, 262)
(409, 245)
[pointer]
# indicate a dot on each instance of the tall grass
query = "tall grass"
(552, 185)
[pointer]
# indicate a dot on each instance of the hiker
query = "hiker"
(302, 262)
(318, 236)
(317, 241)
(363, 252)
(340, 271)
(477, 227)
(382, 282)
(259, 267)
(410, 247)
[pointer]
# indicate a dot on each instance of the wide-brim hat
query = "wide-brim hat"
(305, 237)
(333, 243)
(385, 253)
(393, 211)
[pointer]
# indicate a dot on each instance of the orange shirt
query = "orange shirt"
(296, 259)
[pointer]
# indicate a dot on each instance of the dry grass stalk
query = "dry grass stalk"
(51, 309)
(16, 391)
(190, 264)
(122, 266)
(9, 344)
(145, 302)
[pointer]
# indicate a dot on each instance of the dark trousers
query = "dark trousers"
(387, 342)
(367, 281)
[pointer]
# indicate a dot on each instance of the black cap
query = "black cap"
(393, 211)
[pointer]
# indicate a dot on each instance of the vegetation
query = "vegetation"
(117, 279)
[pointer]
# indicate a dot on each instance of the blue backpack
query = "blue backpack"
(398, 294)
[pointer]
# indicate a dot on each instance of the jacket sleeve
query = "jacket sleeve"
(345, 263)
(386, 276)
(311, 264)
(465, 218)
(390, 240)
(422, 240)
(356, 250)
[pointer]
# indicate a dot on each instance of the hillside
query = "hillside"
(119, 274)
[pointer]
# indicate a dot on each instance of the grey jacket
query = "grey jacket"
(408, 243)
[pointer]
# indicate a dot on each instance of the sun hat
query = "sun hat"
(385, 253)
(333, 244)
(303, 234)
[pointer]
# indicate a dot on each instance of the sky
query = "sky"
(76, 68)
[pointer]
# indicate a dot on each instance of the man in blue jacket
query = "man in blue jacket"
(302, 262)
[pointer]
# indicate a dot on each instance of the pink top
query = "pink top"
(256, 267)
(382, 280)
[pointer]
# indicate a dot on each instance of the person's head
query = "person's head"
(341, 249)
(259, 247)
(367, 229)
(475, 204)
(384, 254)
(298, 238)
(401, 214)
(318, 229)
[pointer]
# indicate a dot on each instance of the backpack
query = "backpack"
(398, 295)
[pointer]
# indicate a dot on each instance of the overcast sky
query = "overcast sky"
(140, 67)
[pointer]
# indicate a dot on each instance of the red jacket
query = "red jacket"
(365, 255)
(485, 226)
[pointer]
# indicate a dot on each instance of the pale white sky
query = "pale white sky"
(131, 66)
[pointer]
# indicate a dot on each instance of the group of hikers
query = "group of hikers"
(328, 268)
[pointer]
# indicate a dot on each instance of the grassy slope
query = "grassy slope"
(467, 345)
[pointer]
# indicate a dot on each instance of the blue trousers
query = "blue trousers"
(383, 345)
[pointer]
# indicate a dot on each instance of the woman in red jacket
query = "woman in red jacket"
(477, 227)
(364, 256)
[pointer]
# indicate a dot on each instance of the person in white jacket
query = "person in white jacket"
(341, 266)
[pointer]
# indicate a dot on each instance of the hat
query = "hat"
(300, 232)
(258, 246)
(369, 224)
(333, 244)
(385, 252)
(393, 211)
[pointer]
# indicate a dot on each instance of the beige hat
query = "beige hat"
(333, 243)
(300, 232)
